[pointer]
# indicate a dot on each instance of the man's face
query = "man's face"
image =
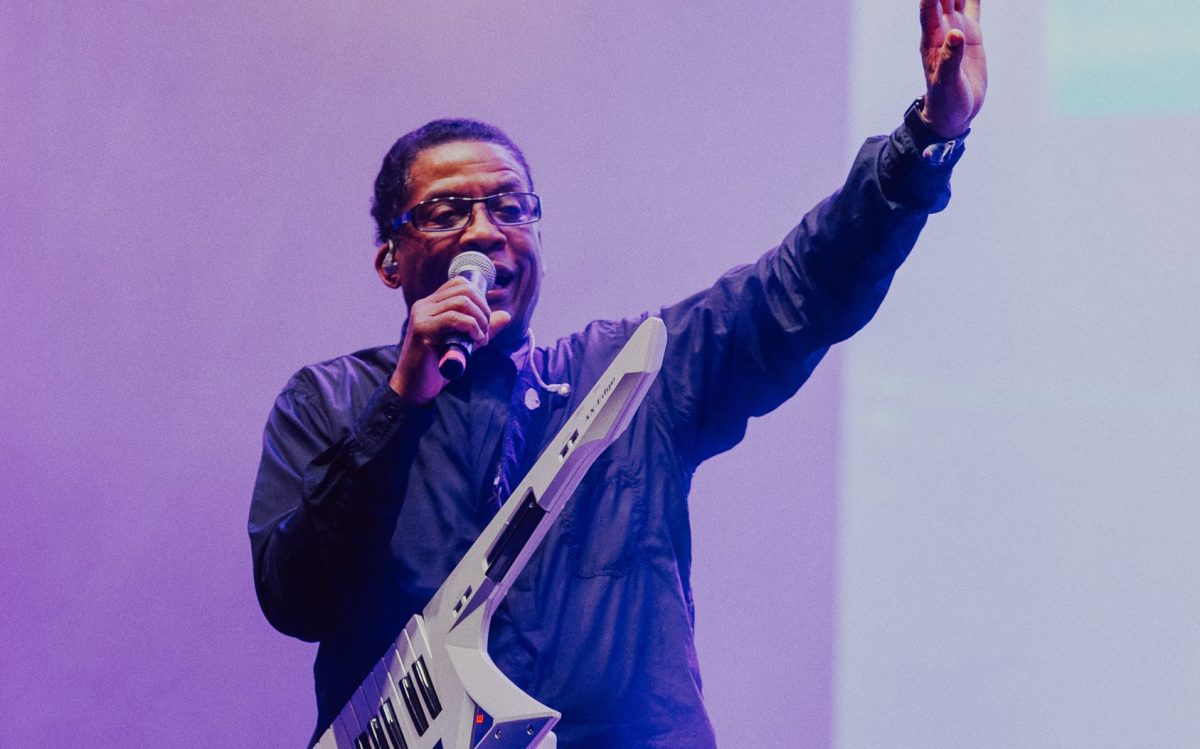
(471, 169)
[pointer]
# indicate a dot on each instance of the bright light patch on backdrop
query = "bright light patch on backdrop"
(1110, 57)
(1019, 497)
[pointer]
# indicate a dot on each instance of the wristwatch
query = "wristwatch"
(935, 150)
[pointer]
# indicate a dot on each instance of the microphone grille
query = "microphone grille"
(471, 260)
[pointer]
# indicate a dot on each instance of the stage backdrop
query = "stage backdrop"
(1019, 532)
(975, 527)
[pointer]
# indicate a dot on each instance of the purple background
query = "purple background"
(183, 223)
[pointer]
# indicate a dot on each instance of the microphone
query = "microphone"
(480, 273)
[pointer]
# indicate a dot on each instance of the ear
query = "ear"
(385, 265)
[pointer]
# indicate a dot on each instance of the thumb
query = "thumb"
(952, 55)
(498, 321)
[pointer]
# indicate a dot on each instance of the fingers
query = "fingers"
(456, 308)
(459, 287)
(456, 324)
(455, 317)
(931, 15)
(933, 10)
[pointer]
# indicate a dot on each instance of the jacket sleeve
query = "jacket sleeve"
(311, 512)
(743, 346)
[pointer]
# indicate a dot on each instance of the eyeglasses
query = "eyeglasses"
(452, 214)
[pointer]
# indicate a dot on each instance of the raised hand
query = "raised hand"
(955, 65)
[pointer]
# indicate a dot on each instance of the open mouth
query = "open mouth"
(504, 277)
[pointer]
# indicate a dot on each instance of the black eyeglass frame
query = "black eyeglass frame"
(407, 216)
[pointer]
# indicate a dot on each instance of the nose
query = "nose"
(481, 233)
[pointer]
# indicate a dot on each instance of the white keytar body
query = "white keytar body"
(436, 687)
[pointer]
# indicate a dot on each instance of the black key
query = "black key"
(413, 703)
(378, 737)
(425, 684)
(392, 725)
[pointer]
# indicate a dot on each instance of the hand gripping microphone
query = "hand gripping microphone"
(480, 273)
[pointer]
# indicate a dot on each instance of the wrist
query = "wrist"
(409, 397)
(936, 126)
(933, 147)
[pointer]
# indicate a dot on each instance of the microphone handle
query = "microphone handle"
(454, 359)
(453, 363)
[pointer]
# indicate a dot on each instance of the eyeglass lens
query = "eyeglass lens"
(506, 209)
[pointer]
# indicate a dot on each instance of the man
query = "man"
(377, 473)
